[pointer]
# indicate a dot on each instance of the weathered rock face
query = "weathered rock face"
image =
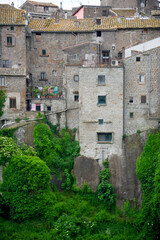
(86, 170)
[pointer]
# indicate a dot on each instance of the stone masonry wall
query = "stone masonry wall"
(91, 111)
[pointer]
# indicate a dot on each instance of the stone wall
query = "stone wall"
(139, 115)
(91, 111)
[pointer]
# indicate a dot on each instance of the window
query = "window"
(130, 99)
(138, 59)
(76, 78)
(143, 99)
(120, 55)
(101, 79)
(100, 121)
(104, 13)
(9, 41)
(54, 72)
(76, 56)
(38, 107)
(2, 81)
(104, 137)
(38, 37)
(98, 21)
(48, 108)
(101, 100)
(99, 34)
(12, 102)
(12, 28)
(76, 98)
(131, 114)
(5, 64)
(141, 79)
(105, 56)
(46, 9)
(146, 3)
(43, 76)
(43, 52)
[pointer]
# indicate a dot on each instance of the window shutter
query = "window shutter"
(5, 41)
(33, 107)
(13, 41)
(9, 63)
(42, 108)
(1, 64)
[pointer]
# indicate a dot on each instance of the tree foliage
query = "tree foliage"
(2, 101)
(148, 172)
(57, 152)
(105, 190)
(26, 187)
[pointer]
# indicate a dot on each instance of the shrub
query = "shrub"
(17, 120)
(26, 187)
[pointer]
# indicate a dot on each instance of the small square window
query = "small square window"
(143, 99)
(105, 56)
(120, 55)
(100, 121)
(138, 59)
(130, 99)
(12, 28)
(98, 21)
(99, 34)
(131, 114)
(102, 100)
(76, 78)
(43, 52)
(101, 79)
(141, 79)
(104, 137)
(76, 98)
(12, 102)
(48, 108)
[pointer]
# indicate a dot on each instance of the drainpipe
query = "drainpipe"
(124, 76)
(149, 86)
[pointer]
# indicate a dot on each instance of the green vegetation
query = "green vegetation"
(2, 101)
(32, 208)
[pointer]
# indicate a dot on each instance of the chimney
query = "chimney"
(61, 6)
(12, 4)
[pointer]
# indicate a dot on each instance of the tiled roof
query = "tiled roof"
(155, 12)
(11, 16)
(44, 4)
(124, 12)
(89, 24)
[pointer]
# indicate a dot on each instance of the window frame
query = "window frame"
(143, 99)
(100, 102)
(99, 33)
(138, 59)
(76, 75)
(140, 79)
(99, 81)
(105, 56)
(131, 115)
(130, 100)
(76, 97)
(43, 76)
(4, 78)
(104, 134)
(43, 52)
(100, 121)
(12, 103)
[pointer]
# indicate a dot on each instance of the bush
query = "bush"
(26, 187)
(105, 190)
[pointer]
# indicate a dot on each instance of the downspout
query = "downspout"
(124, 89)
(149, 86)
(66, 103)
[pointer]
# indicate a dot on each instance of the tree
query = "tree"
(148, 172)
(26, 187)
(2, 101)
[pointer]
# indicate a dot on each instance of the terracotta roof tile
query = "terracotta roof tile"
(43, 4)
(89, 24)
(124, 12)
(11, 16)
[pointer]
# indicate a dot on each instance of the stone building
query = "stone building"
(13, 62)
(40, 9)
(142, 87)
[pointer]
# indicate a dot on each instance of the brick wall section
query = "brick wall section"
(144, 117)
(90, 111)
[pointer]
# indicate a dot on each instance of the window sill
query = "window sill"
(9, 45)
(102, 104)
(44, 55)
(43, 80)
(105, 142)
(101, 84)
